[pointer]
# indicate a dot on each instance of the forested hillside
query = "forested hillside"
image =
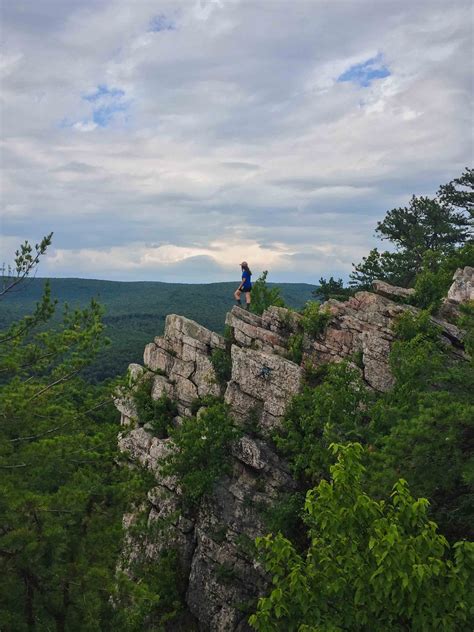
(134, 312)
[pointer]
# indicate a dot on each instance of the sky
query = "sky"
(170, 140)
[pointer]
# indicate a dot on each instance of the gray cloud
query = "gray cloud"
(236, 133)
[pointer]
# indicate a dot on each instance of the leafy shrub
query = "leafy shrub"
(424, 426)
(285, 516)
(263, 296)
(408, 326)
(203, 402)
(332, 288)
(467, 322)
(315, 319)
(295, 348)
(158, 413)
(313, 375)
(371, 564)
(222, 363)
(433, 281)
(201, 454)
(151, 594)
(336, 409)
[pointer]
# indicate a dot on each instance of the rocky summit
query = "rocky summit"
(261, 383)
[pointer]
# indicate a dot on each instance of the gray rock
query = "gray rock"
(162, 386)
(392, 291)
(222, 575)
(265, 378)
(461, 291)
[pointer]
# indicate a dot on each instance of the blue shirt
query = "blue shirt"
(246, 283)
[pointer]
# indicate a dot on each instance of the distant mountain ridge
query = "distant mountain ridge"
(135, 311)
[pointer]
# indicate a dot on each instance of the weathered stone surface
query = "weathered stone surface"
(241, 403)
(461, 291)
(205, 378)
(186, 391)
(223, 575)
(362, 325)
(248, 331)
(158, 359)
(181, 328)
(221, 572)
(162, 386)
(265, 378)
(392, 291)
(281, 320)
(124, 401)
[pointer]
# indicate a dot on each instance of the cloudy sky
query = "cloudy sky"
(168, 140)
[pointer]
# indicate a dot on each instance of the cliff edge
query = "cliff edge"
(263, 378)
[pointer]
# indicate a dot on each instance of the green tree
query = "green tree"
(423, 427)
(201, 448)
(331, 288)
(335, 410)
(459, 192)
(62, 494)
(437, 225)
(384, 266)
(264, 296)
(433, 281)
(371, 564)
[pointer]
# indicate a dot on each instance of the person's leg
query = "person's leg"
(237, 295)
(247, 300)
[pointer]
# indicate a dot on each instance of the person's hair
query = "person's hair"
(246, 267)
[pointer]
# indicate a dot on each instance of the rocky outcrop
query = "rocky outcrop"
(392, 291)
(461, 291)
(223, 577)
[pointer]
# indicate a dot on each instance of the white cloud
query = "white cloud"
(236, 141)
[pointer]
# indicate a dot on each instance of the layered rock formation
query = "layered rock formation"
(461, 291)
(223, 577)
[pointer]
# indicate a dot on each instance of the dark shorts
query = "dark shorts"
(246, 289)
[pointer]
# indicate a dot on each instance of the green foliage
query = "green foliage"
(425, 224)
(222, 363)
(151, 594)
(371, 564)
(467, 322)
(459, 192)
(435, 226)
(332, 288)
(26, 260)
(62, 495)
(425, 424)
(315, 319)
(433, 281)
(395, 268)
(263, 295)
(295, 348)
(201, 454)
(158, 413)
(336, 409)
(204, 402)
(285, 516)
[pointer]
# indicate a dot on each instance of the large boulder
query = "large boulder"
(461, 291)
(269, 381)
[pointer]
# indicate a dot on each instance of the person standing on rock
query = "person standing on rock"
(245, 286)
